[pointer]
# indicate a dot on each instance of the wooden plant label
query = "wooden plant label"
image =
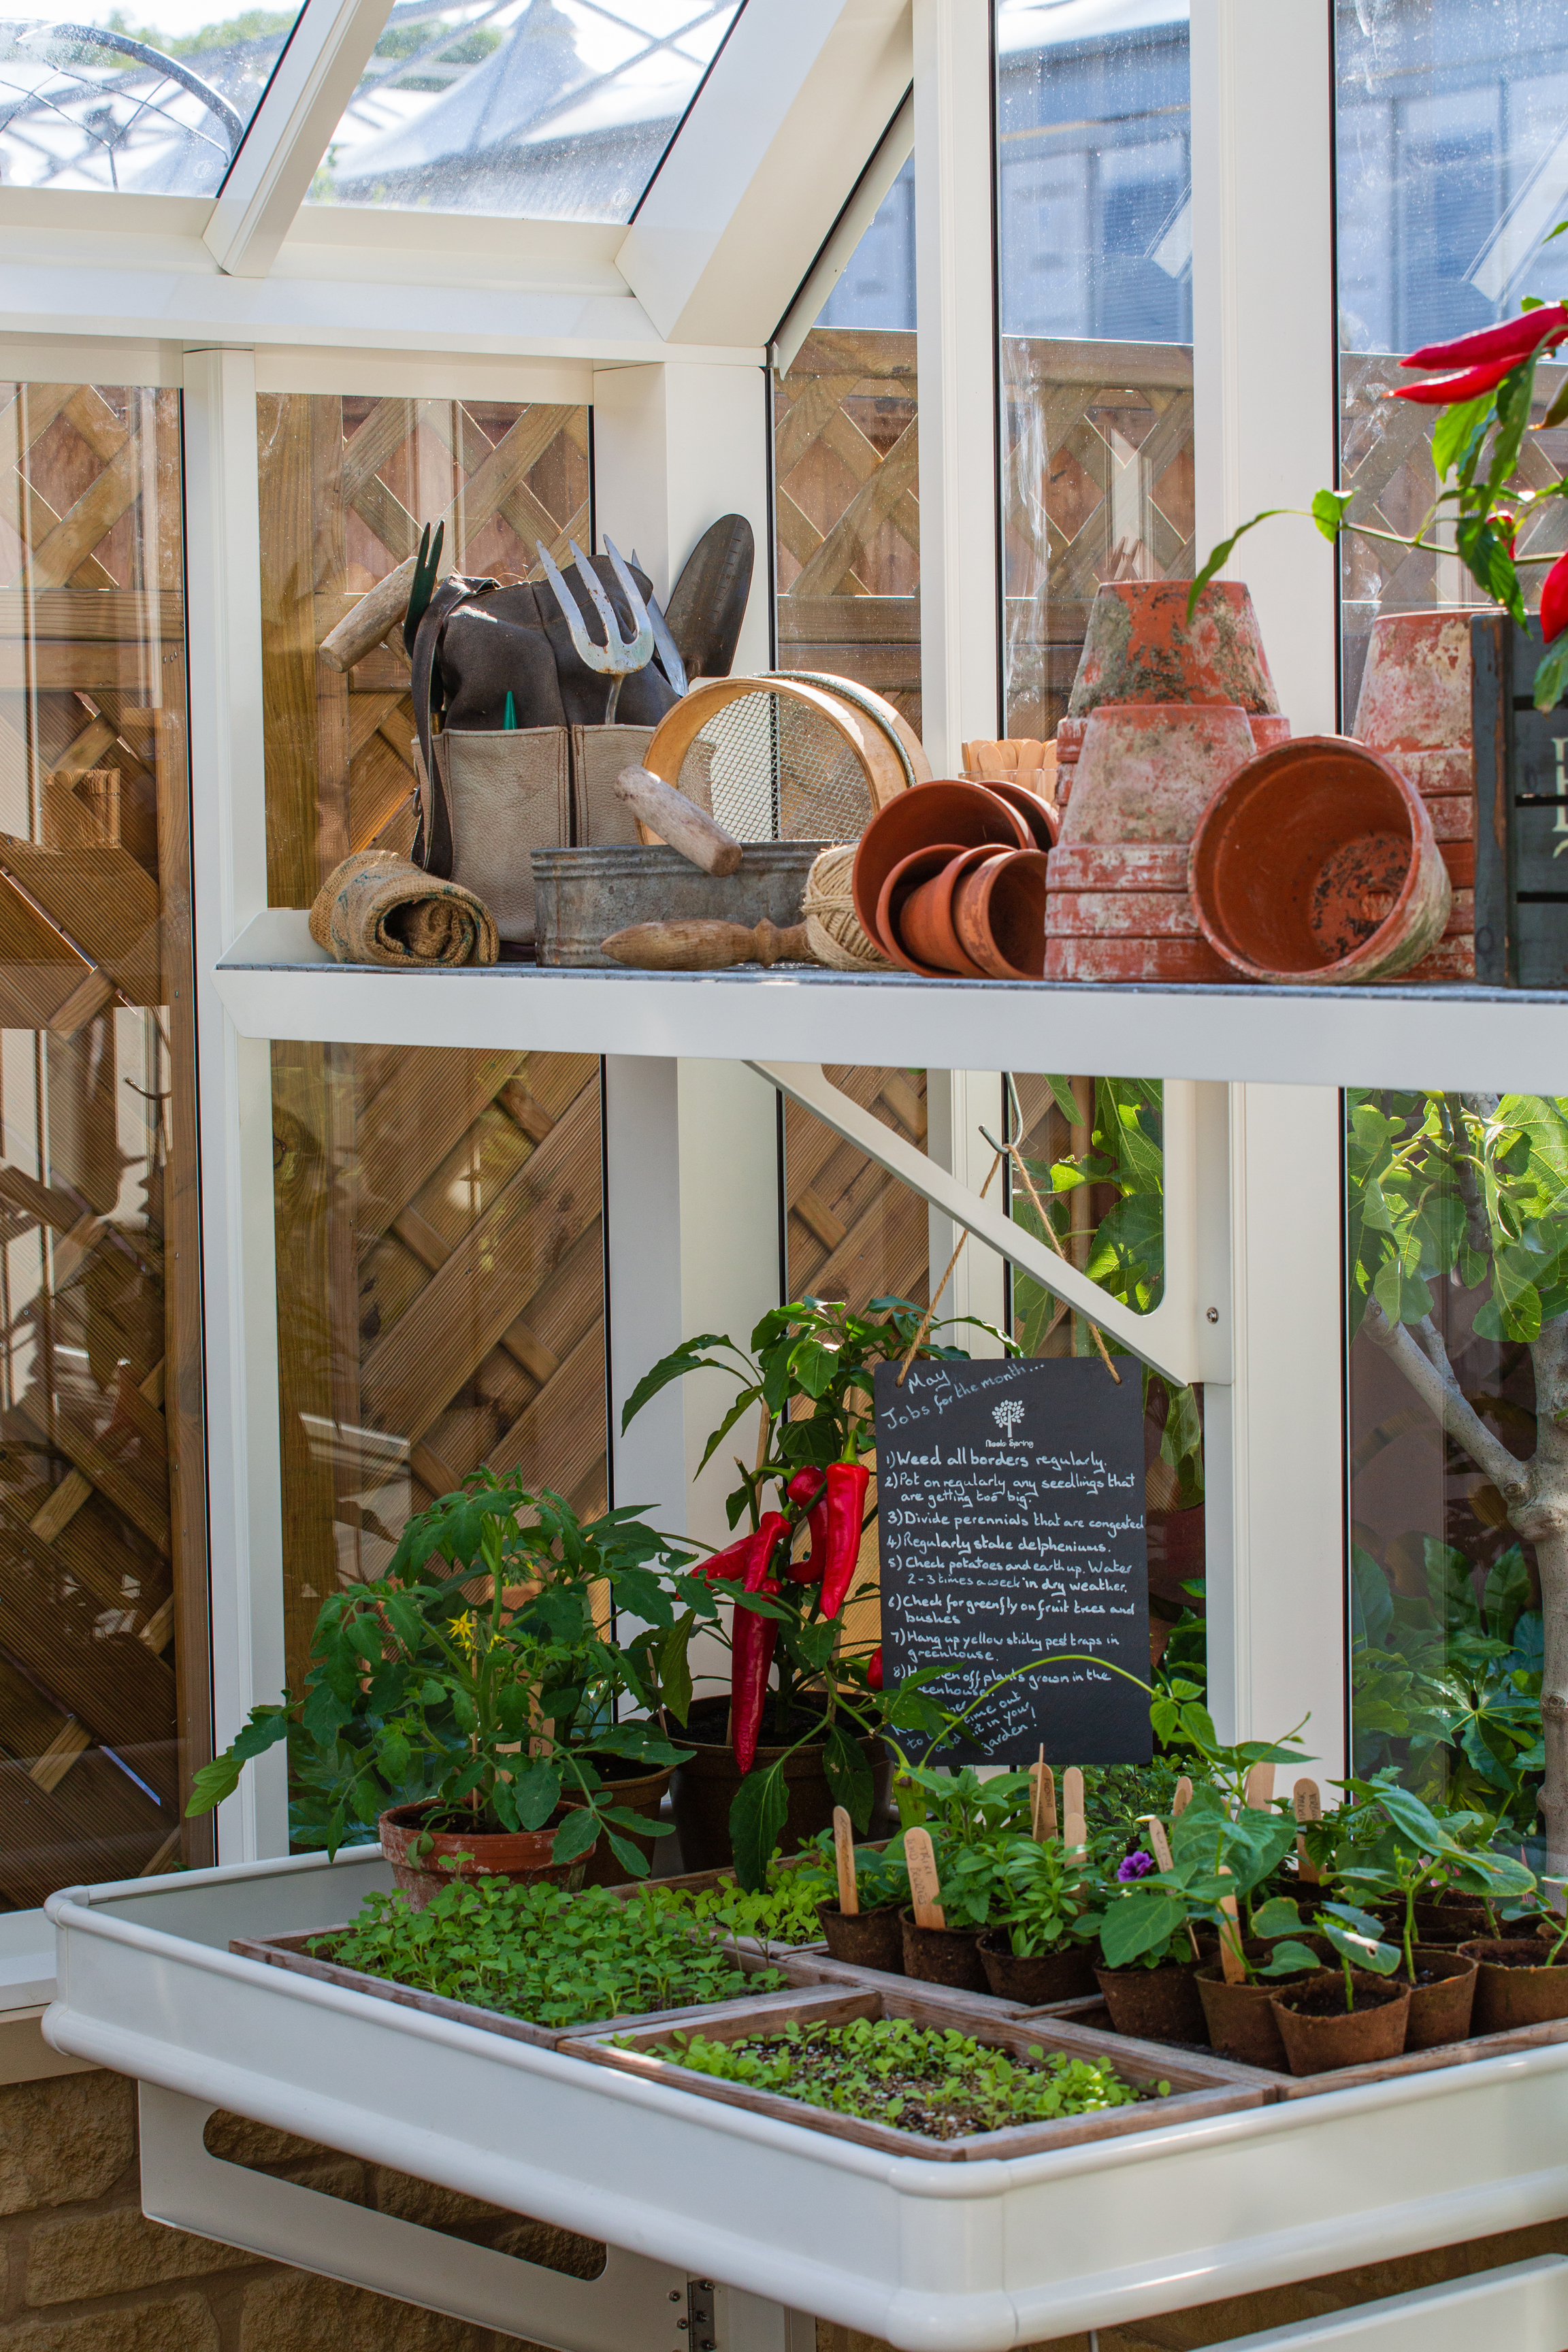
(1230, 1939)
(1259, 1792)
(844, 1855)
(1308, 1807)
(920, 1862)
(1183, 1798)
(1159, 1844)
(1075, 1834)
(1043, 1811)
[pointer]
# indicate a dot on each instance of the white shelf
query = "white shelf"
(933, 2257)
(276, 982)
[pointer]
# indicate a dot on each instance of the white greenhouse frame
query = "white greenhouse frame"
(665, 327)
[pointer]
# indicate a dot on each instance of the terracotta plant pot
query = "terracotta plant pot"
(703, 1789)
(1035, 1978)
(947, 1955)
(922, 872)
(521, 1857)
(1375, 2027)
(1159, 2004)
(1441, 2011)
(1415, 688)
(1140, 646)
(868, 1939)
(638, 1792)
(946, 810)
(999, 913)
(1042, 816)
(1317, 863)
(1267, 728)
(1512, 1987)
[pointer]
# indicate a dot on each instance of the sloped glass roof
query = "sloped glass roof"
(534, 110)
(157, 107)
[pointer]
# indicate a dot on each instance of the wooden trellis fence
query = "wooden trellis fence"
(103, 1675)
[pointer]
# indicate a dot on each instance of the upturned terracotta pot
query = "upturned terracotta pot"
(1316, 863)
(948, 809)
(1442, 2011)
(998, 911)
(1415, 688)
(1512, 1987)
(947, 1955)
(1140, 646)
(1035, 1978)
(1161, 2004)
(521, 1857)
(1267, 729)
(868, 1939)
(703, 1788)
(920, 929)
(1318, 2044)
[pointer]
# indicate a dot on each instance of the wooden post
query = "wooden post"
(1042, 1809)
(844, 1855)
(1309, 1806)
(1075, 1834)
(921, 1861)
(1230, 1939)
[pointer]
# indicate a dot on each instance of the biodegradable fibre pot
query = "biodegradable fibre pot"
(1140, 646)
(1161, 2004)
(1240, 2017)
(1458, 1920)
(1513, 1986)
(867, 1939)
(999, 913)
(521, 1857)
(947, 1955)
(947, 810)
(703, 1789)
(914, 909)
(1441, 2011)
(1035, 1977)
(1147, 772)
(1317, 863)
(633, 1793)
(1319, 2044)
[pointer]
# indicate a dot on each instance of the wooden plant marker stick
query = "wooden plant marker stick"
(1308, 1807)
(1159, 1847)
(1075, 1832)
(1183, 1798)
(920, 1862)
(1258, 1790)
(1043, 1823)
(1230, 1939)
(844, 1855)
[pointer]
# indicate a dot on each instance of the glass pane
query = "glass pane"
(878, 289)
(1094, 1151)
(346, 484)
(1452, 166)
(104, 1709)
(531, 110)
(1094, 205)
(159, 110)
(1449, 1596)
(440, 1293)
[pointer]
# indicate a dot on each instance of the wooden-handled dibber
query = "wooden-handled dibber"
(680, 821)
(703, 943)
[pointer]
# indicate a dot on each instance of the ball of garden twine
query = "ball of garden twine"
(832, 927)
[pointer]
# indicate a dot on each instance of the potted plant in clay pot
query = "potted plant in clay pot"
(1348, 2016)
(800, 1730)
(1039, 1949)
(462, 1704)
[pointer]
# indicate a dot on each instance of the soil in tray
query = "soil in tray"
(938, 2083)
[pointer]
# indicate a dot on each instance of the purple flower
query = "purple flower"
(1138, 1864)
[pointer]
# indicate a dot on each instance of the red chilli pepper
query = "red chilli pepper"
(806, 1486)
(1443, 391)
(730, 1564)
(1513, 340)
(844, 1503)
(1554, 601)
(751, 1640)
(874, 1669)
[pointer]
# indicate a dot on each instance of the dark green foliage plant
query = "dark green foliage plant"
(539, 1953)
(1215, 1853)
(941, 2084)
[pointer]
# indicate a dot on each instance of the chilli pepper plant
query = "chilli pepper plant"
(479, 1673)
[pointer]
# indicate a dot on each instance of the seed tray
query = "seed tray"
(1197, 2090)
(291, 1952)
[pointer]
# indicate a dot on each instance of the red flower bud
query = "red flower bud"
(1554, 601)
(1513, 340)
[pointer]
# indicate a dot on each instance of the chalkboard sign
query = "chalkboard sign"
(1521, 812)
(1010, 1512)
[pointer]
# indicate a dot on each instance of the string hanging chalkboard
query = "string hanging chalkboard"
(1010, 1511)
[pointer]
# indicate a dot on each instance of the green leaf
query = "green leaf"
(1065, 1099)
(536, 1792)
(674, 1667)
(575, 1835)
(1557, 410)
(1137, 1922)
(1280, 1916)
(1506, 1593)
(632, 1859)
(757, 1816)
(1458, 433)
(849, 1775)
(681, 1361)
(1329, 507)
(218, 1780)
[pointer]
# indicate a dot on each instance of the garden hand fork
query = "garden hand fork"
(619, 656)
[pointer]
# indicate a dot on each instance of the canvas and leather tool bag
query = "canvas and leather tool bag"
(490, 795)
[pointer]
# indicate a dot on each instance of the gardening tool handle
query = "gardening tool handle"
(699, 943)
(680, 821)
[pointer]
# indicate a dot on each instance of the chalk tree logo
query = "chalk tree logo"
(1007, 1414)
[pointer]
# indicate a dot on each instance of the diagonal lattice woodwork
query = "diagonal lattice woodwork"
(104, 1707)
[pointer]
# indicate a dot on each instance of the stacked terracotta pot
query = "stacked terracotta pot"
(1140, 646)
(1414, 709)
(949, 879)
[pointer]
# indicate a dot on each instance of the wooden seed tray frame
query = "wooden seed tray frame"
(1197, 2091)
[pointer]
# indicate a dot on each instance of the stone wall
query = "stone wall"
(82, 2271)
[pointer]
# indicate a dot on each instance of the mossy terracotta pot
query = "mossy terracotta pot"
(1140, 647)
(1035, 1978)
(1512, 1987)
(867, 1939)
(1161, 2004)
(1321, 2035)
(521, 1857)
(1441, 2011)
(947, 1955)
